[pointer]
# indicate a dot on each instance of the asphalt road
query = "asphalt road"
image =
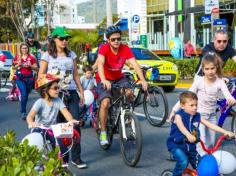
(107, 163)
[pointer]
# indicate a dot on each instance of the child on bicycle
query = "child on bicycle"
(185, 132)
(207, 89)
(45, 110)
(88, 83)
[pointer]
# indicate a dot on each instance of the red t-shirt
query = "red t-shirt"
(189, 49)
(114, 62)
(25, 64)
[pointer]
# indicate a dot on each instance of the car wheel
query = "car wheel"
(168, 88)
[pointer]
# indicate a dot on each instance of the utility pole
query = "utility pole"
(109, 13)
(95, 11)
(48, 17)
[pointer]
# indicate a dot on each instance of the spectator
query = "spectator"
(189, 50)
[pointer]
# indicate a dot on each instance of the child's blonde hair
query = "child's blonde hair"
(186, 95)
(212, 57)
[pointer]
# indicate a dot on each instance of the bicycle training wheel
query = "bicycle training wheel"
(131, 145)
(167, 173)
(155, 106)
(233, 123)
(109, 132)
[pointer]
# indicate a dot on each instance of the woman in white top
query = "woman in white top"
(59, 60)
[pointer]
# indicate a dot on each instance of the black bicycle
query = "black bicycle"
(154, 100)
(122, 120)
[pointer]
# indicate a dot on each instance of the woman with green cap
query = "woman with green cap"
(61, 61)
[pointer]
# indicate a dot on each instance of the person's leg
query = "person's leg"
(210, 134)
(181, 161)
(194, 159)
(64, 151)
(76, 148)
(24, 96)
(203, 134)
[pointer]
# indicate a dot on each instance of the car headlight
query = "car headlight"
(175, 67)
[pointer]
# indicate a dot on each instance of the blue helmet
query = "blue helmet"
(111, 30)
(30, 35)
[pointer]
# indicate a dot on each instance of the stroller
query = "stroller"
(13, 94)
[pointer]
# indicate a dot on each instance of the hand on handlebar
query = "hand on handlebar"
(229, 134)
(144, 85)
(74, 122)
(231, 101)
(106, 84)
(34, 125)
(191, 138)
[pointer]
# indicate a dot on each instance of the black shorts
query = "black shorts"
(104, 93)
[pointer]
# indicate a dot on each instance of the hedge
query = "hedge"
(187, 67)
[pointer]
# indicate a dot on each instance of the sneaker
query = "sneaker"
(23, 116)
(103, 139)
(79, 163)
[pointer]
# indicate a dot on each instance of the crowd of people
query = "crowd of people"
(57, 70)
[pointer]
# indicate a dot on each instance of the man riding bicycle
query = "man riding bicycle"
(111, 58)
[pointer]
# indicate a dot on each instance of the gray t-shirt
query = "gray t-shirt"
(46, 114)
(63, 67)
(87, 84)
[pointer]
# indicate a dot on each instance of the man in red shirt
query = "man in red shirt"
(111, 58)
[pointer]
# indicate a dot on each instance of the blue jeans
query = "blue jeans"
(183, 158)
(52, 140)
(25, 87)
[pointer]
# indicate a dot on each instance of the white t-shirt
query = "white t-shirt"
(63, 67)
(87, 84)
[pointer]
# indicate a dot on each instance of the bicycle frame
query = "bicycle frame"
(224, 108)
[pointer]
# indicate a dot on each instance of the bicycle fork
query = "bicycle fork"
(122, 118)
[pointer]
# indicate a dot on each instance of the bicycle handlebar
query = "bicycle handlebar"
(118, 86)
(218, 143)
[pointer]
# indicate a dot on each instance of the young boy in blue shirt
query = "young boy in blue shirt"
(182, 141)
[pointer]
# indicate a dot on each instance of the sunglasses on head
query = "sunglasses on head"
(118, 39)
(63, 38)
(55, 88)
(222, 41)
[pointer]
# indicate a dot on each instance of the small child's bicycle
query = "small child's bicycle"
(48, 145)
(192, 172)
(226, 110)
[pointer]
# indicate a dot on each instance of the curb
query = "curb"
(183, 85)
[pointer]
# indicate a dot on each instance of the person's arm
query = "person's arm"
(135, 65)
(95, 66)
(100, 64)
(216, 128)
(43, 67)
(183, 130)
(77, 81)
(230, 99)
(66, 114)
(30, 118)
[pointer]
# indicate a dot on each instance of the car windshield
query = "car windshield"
(8, 54)
(144, 54)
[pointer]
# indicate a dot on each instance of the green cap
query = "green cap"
(60, 32)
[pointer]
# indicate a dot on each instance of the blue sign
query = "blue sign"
(135, 19)
(205, 19)
(221, 22)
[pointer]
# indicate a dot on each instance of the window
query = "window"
(144, 54)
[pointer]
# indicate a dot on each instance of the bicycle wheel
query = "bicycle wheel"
(109, 132)
(233, 123)
(167, 173)
(155, 106)
(131, 146)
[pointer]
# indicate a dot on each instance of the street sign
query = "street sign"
(210, 4)
(135, 19)
(143, 40)
(205, 19)
(219, 24)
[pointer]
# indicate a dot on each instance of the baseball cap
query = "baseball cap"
(60, 32)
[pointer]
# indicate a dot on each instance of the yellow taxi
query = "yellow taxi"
(168, 72)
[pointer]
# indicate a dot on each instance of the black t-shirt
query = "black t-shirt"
(227, 53)
(34, 47)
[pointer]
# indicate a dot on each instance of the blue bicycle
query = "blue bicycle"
(226, 110)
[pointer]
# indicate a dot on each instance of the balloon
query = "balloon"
(88, 97)
(207, 166)
(175, 46)
(35, 139)
(226, 161)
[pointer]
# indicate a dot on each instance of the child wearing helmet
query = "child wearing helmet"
(45, 109)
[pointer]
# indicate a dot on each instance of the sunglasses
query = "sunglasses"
(115, 39)
(63, 38)
(222, 41)
(55, 88)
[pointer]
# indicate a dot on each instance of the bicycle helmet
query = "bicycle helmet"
(30, 35)
(111, 30)
(45, 80)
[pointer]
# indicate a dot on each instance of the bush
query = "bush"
(20, 159)
(187, 67)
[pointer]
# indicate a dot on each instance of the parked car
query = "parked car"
(168, 71)
(9, 60)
